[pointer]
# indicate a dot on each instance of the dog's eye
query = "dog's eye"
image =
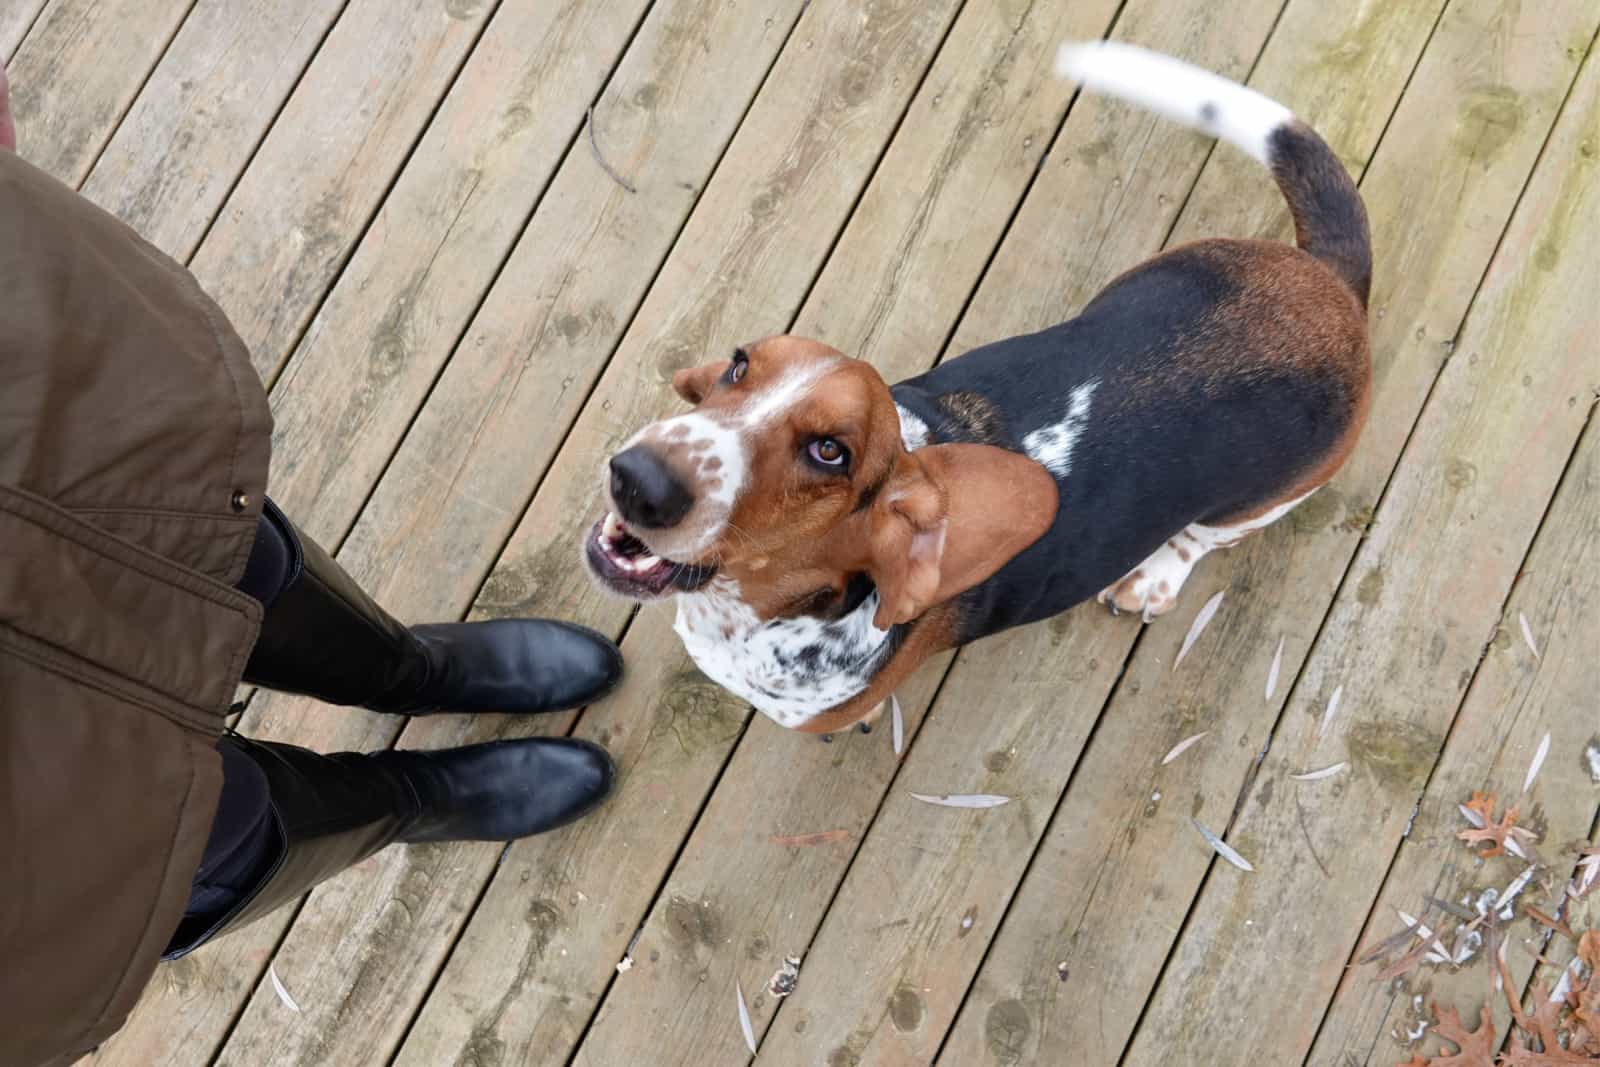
(828, 452)
(736, 369)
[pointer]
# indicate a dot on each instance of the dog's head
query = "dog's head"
(791, 477)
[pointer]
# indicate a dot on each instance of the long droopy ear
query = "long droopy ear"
(949, 518)
(695, 384)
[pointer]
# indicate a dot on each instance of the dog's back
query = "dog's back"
(1209, 385)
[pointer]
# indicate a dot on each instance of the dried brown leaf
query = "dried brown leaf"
(1493, 833)
(1475, 1049)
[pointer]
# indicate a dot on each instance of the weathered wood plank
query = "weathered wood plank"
(345, 129)
(702, 65)
(1453, 527)
(790, 177)
(209, 102)
(291, 221)
(15, 21)
(1516, 700)
(1558, 951)
(852, 84)
(379, 341)
(80, 67)
(1122, 850)
(738, 901)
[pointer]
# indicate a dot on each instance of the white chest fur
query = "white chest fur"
(791, 670)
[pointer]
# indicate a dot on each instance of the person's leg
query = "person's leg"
(290, 818)
(324, 637)
(325, 813)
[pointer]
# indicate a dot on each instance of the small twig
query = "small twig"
(1454, 909)
(1309, 846)
(1552, 922)
(594, 147)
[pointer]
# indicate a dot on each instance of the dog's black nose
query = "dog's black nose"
(646, 491)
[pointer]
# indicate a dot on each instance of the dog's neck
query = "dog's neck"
(791, 670)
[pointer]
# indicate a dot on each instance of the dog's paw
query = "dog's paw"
(1147, 595)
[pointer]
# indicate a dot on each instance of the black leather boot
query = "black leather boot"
(331, 812)
(323, 636)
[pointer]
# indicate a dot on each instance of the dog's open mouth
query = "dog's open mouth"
(627, 566)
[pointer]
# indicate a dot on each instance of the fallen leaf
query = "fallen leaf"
(1527, 635)
(963, 800)
(1475, 1049)
(1222, 848)
(283, 993)
(1589, 948)
(1272, 673)
(1333, 709)
(744, 1020)
(1326, 772)
(820, 837)
(1479, 810)
(1588, 873)
(1536, 763)
(1179, 748)
(897, 724)
(1492, 833)
(1196, 628)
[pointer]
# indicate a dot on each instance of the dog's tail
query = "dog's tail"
(1329, 219)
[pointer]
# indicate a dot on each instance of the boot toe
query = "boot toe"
(504, 790)
(518, 665)
(590, 664)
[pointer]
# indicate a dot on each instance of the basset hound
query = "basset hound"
(824, 533)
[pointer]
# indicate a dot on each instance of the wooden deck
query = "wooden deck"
(459, 309)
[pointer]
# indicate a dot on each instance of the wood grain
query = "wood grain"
(201, 114)
(293, 218)
(1515, 700)
(15, 21)
(1451, 531)
(80, 67)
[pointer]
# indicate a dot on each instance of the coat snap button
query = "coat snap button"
(240, 501)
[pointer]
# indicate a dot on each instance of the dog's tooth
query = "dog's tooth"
(613, 526)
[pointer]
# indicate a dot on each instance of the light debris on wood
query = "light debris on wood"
(1325, 772)
(819, 837)
(1527, 635)
(1536, 762)
(625, 965)
(1222, 848)
(1179, 748)
(963, 800)
(784, 978)
(1415, 926)
(283, 993)
(1517, 885)
(897, 725)
(1196, 628)
(1591, 757)
(744, 1020)
(1588, 874)
(1272, 672)
(1333, 709)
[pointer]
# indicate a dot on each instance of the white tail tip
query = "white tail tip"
(1183, 93)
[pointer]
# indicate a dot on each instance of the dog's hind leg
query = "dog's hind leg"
(1152, 587)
